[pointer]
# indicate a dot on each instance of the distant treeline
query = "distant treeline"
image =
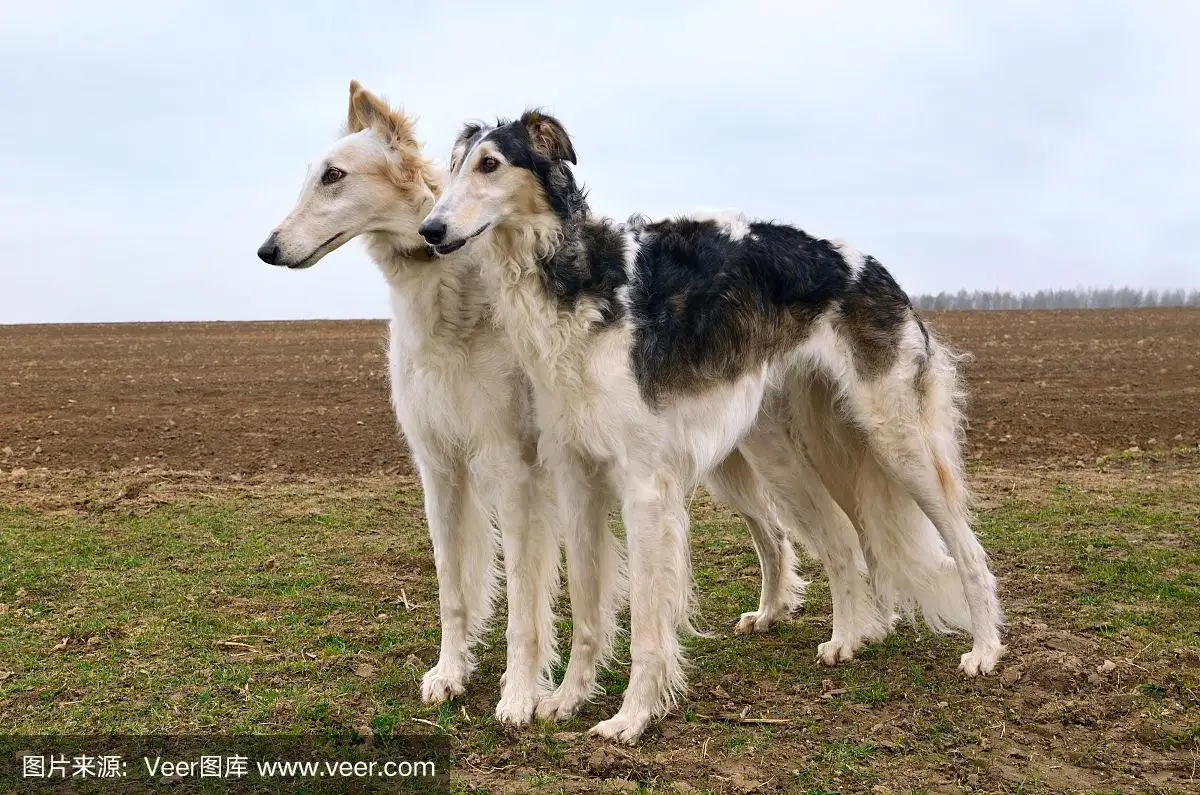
(1079, 298)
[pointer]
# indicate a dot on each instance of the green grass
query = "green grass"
(153, 606)
(1131, 560)
(281, 608)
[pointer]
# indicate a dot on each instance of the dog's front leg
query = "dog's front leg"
(595, 579)
(529, 533)
(463, 557)
(660, 574)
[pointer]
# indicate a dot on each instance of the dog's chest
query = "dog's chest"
(587, 396)
(589, 400)
(458, 395)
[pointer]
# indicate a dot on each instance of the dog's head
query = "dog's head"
(372, 180)
(507, 174)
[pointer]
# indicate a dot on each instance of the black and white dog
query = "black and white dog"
(462, 401)
(658, 349)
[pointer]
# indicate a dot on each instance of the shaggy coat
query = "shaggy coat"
(464, 406)
(461, 400)
(657, 350)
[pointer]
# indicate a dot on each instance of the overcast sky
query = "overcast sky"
(147, 148)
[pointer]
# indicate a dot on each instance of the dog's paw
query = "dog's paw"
(620, 729)
(759, 621)
(837, 650)
(516, 706)
(561, 704)
(980, 661)
(439, 684)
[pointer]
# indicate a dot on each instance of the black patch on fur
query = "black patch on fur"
(874, 310)
(564, 195)
(470, 135)
(708, 308)
(590, 266)
(590, 263)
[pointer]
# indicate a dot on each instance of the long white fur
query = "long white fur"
(463, 406)
(595, 422)
(467, 421)
(733, 222)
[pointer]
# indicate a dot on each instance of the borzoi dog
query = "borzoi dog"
(463, 404)
(656, 349)
(459, 395)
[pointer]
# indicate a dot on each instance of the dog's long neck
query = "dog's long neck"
(586, 264)
(555, 280)
(436, 301)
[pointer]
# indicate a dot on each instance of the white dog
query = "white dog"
(460, 399)
(463, 404)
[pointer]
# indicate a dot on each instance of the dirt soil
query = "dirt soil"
(311, 397)
(1053, 385)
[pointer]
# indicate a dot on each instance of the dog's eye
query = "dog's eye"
(489, 164)
(332, 175)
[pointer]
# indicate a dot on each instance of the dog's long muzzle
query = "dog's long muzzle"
(434, 232)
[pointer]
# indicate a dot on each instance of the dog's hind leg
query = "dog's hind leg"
(660, 600)
(907, 560)
(595, 580)
(911, 425)
(838, 453)
(912, 569)
(735, 483)
(528, 532)
(464, 554)
(827, 533)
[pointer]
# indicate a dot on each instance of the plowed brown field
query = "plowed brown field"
(311, 397)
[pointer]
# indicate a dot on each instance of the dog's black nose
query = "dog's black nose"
(433, 230)
(269, 252)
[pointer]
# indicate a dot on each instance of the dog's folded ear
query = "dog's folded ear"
(548, 136)
(469, 131)
(369, 111)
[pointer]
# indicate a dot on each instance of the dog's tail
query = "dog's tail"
(910, 568)
(913, 569)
